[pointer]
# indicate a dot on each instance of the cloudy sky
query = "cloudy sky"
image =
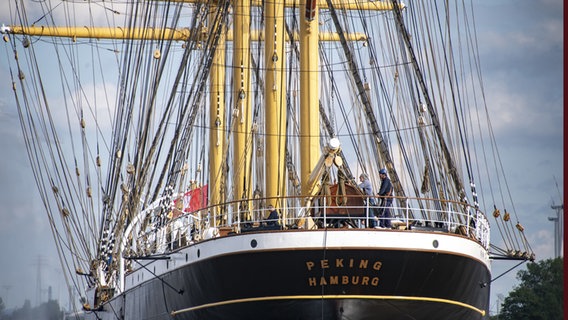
(521, 47)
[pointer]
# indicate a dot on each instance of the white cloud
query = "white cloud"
(544, 240)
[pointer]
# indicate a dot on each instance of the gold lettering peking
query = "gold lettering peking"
(335, 272)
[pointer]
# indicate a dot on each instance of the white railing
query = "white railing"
(153, 232)
(156, 234)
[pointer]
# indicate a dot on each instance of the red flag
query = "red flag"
(192, 200)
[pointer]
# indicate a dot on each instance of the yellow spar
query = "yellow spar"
(147, 33)
(322, 4)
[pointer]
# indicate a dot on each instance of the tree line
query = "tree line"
(539, 295)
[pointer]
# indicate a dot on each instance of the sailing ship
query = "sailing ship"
(161, 131)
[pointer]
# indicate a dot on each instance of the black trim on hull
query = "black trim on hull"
(318, 284)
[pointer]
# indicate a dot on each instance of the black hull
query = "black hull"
(316, 283)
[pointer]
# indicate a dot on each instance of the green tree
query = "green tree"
(539, 296)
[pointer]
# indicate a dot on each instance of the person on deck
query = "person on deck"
(385, 192)
(367, 189)
(365, 185)
(273, 217)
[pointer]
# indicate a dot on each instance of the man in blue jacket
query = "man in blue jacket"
(385, 193)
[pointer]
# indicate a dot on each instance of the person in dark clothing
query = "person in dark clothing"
(385, 192)
(273, 217)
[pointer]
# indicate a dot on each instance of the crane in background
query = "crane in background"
(558, 224)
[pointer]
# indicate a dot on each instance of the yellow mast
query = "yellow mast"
(309, 91)
(217, 121)
(242, 116)
(274, 99)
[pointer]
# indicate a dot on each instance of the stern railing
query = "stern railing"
(154, 231)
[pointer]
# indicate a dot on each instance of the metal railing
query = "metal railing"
(156, 233)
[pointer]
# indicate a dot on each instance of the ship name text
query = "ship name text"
(336, 272)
